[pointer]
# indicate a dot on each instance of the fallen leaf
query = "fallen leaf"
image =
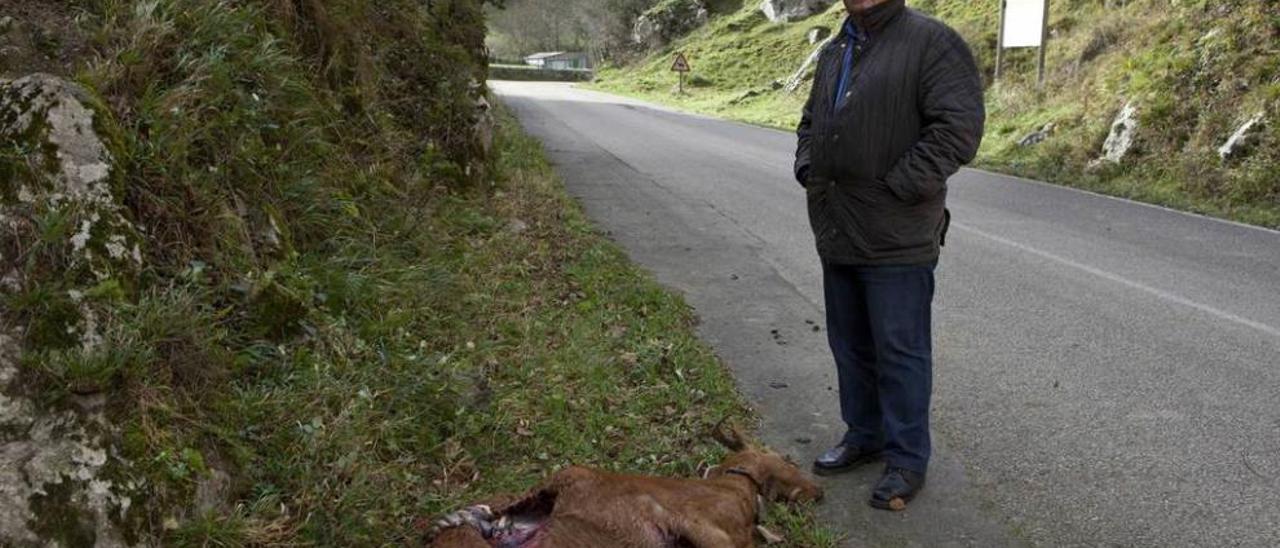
(769, 536)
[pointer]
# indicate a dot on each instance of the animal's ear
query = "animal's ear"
(729, 435)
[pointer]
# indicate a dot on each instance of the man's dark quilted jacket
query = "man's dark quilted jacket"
(876, 168)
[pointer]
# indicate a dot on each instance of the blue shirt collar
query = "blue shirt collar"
(852, 30)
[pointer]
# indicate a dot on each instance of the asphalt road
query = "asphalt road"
(1108, 373)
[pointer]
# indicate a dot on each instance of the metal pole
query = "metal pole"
(1044, 42)
(1004, 4)
(681, 82)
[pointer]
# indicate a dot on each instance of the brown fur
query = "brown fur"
(588, 507)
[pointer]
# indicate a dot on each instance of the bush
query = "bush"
(528, 73)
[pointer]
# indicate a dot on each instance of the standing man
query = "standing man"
(896, 109)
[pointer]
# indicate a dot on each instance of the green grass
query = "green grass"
(528, 73)
(345, 307)
(1197, 71)
(477, 363)
(470, 359)
(734, 53)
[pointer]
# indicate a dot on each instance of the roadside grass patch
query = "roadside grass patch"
(585, 359)
(496, 341)
(347, 318)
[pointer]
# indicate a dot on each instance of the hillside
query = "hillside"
(273, 274)
(1195, 73)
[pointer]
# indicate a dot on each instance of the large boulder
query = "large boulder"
(667, 21)
(55, 164)
(1124, 130)
(56, 170)
(1243, 139)
(56, 486)
(785, 11)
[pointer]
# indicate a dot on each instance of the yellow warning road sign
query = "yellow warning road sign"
(681, 64)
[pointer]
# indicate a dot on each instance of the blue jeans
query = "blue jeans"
(879, 324)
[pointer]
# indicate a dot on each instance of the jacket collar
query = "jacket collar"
(874, 19)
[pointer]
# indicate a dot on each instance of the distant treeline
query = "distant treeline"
(601, 27)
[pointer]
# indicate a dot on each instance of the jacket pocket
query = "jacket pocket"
(880, 223)
(908, 195)
(820, 215)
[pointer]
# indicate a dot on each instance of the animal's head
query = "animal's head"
(778, 478)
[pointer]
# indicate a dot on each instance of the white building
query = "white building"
(559, 60)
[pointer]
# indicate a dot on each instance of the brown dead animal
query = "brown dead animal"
(582, 507)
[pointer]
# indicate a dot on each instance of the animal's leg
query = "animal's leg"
(703, 534)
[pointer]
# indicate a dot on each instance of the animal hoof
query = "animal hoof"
(769, 536)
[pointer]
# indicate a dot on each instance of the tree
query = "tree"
(602, 27)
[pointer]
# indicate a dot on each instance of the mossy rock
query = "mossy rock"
(63, 230)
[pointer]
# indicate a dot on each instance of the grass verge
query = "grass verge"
(584, 358)
(348, 317)
(520, 342)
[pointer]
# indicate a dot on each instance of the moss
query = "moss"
(60, 521)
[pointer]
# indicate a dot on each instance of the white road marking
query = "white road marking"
(1160, 293)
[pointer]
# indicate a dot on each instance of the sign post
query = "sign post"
(1023, 24)
(681, 65)
(1044, 42)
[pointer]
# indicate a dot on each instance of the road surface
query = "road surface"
(1108, 373)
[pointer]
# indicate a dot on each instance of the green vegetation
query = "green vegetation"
(609, 372)
(731, 56)
(528, 73)
(1195, 70)
(351, 314)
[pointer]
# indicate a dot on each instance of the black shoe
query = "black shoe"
(842, 458)
(896, 488)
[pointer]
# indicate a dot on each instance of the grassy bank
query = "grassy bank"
(501, 339)
(1196, 71)
(348, 311)
(588, 360)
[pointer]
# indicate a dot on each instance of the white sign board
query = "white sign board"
(1024, 23)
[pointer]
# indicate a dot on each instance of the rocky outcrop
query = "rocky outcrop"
(486, 125)
(57, 165)
(54, 486)
(806, 70)
(58, 162)
(817, 35)
(1123, 131)
(785, 11)
(1243, 139)
(667, 21)
(1039, 136)
(54, 489)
